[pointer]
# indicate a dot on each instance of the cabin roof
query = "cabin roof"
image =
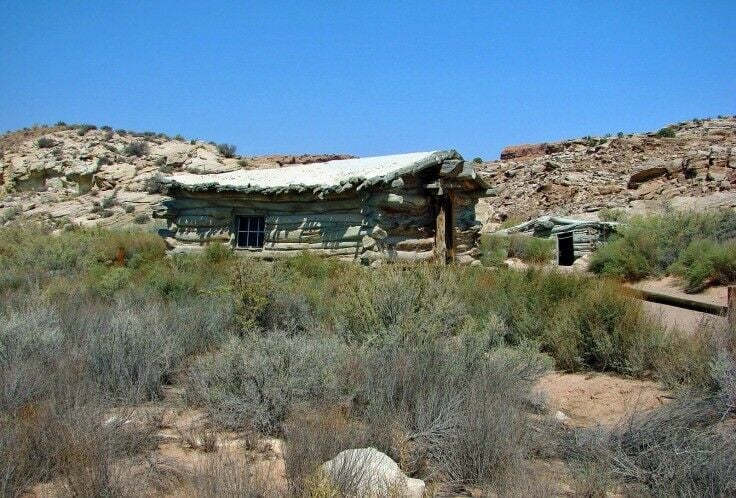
(325, 177)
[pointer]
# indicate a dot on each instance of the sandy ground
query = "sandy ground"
(670, 285)
(595, 398)
(681, 319)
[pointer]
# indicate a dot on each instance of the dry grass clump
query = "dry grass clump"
(253, 382)
(226, 474)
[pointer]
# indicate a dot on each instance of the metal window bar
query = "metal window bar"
(251, 231)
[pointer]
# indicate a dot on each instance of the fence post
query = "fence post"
(731, 311)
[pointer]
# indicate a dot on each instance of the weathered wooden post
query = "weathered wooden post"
(731, 311)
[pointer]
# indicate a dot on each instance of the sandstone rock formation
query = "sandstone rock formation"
(89, 177)
(84, 176)
(696, 168)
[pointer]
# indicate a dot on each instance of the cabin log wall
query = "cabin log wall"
(392, 222)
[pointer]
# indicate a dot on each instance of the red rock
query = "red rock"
(524, 150)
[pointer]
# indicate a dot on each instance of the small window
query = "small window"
(250, 231)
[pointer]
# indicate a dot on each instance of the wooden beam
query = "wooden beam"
(440, 249)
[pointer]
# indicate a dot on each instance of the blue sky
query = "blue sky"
(367, 78)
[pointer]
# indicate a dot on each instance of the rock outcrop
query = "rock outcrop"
(86, 176)
(697, 167)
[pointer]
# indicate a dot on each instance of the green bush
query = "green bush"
(45, 143)
(609, 214)
(493, 249)
(227, 150)
(254, 382)
(667, 132)
(531, 249)
(138, 148)
(705, 262)
(650, 245)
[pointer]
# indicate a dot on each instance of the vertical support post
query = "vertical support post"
(440, 247)
(731, 311)
(450, 241)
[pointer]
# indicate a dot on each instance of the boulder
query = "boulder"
(176, 153)
(370, 473)
(646, 172)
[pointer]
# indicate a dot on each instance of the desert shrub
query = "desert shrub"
(154, 183)
(494, 249)
(74, 445)
(413, 304)
(229, 474)
(667, 132)
(135, 247)
(650, 245)
(141, 219)
(252, 283)
(314, 437)
(243, 163)
(45, 143)
(531, 249)
(216, 253)
(227, 150)
(631, 257)
(582, 322)
(452, 404)
(9, 213)
(138, 148)
(130, 353)
(705, 261)
(82, 129)
(611, 214)
(255, 381)
(675, 450)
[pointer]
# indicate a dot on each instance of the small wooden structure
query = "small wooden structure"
(418, 206)
(574, 238)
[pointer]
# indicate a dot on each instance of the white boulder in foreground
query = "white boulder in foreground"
(368, 472)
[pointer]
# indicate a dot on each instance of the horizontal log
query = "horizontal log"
(201, 235)
(211, 211)
(409, 244)
(316, 219)
(399, 201)
(201, 221)
(271, 255)
(292, 246)
(370, 256)
(317, 234)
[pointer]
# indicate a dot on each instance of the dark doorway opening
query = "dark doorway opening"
(565, 249)
(449, 232)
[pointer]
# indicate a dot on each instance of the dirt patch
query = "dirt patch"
(590, 399)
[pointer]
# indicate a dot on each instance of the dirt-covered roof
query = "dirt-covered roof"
(319, 178)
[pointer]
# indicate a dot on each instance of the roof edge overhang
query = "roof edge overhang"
(465, 173)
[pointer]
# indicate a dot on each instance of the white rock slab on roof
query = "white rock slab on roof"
(327, 176)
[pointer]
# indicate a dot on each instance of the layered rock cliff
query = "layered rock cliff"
(87, 176)
(689, 164)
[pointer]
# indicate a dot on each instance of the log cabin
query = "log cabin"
(418, 206)
(573, 238)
